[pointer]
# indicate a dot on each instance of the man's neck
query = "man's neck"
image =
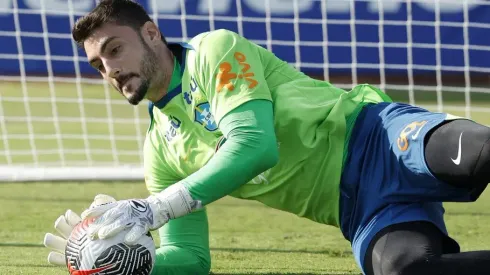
(161, 90)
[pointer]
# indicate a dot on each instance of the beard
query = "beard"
(139, 94)
(148, 69)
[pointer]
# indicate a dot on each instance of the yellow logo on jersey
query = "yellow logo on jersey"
(403, 139)
(225, 76)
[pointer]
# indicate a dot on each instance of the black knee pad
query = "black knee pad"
(458, 152)
(411, 248)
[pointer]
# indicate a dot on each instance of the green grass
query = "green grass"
(245, 238)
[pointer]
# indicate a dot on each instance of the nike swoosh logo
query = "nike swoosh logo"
(457, 161)
(416, 135)
(88, 272)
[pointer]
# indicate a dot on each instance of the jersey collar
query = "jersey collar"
(175, 87)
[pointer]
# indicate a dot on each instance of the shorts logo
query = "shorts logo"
(412, 129)
(203, 116)
(225, 76)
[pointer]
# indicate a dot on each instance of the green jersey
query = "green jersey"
(312, 121)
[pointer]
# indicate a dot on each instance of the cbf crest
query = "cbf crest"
(203, 116)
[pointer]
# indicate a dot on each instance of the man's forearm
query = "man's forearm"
(250, 149)
(184, 246)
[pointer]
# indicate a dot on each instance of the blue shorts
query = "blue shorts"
(385, 179)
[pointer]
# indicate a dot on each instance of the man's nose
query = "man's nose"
(113, 70)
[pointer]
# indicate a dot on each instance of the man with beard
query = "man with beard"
(227, 117)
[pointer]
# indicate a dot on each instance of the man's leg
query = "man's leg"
(420, 248)
(458, 153)
(387, 179)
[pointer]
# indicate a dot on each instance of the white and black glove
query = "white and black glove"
(139, 215)
(64, 225)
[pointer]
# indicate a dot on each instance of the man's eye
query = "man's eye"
(115, 50)
(100, 67)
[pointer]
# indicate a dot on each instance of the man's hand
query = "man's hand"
(136, 214)
(64, 225)
(139, 215)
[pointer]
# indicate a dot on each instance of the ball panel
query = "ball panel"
(76, 244)
(108, 257)
(128, 260)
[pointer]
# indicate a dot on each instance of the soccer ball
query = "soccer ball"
(110, 256)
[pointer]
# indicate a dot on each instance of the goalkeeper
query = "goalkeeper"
(227, 117)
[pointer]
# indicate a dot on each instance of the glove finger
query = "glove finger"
(63, 227)
(72, 218)
(98, 210)
(106, 219)
(54, 242)
(100, 205)
(56, 258)
(102, 199)
(136, 232)
(114, 228)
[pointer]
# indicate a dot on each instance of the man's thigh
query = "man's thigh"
(392, 214)
(458, 153)
(407, 248)
(385, 179)
(399, 155)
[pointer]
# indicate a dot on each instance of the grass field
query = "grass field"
(246, 237)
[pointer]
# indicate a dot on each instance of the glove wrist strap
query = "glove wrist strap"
(173, 202)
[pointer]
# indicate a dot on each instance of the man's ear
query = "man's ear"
(151, 33)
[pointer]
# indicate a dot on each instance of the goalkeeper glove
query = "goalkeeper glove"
(139, 215)
(64, 225)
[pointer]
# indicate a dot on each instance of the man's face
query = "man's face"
(124, 59)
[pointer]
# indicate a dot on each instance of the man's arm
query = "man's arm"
(249, 150)
(233, 81)
(184, 242)
(184, 246)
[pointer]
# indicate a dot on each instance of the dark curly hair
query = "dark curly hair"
(120, 12)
